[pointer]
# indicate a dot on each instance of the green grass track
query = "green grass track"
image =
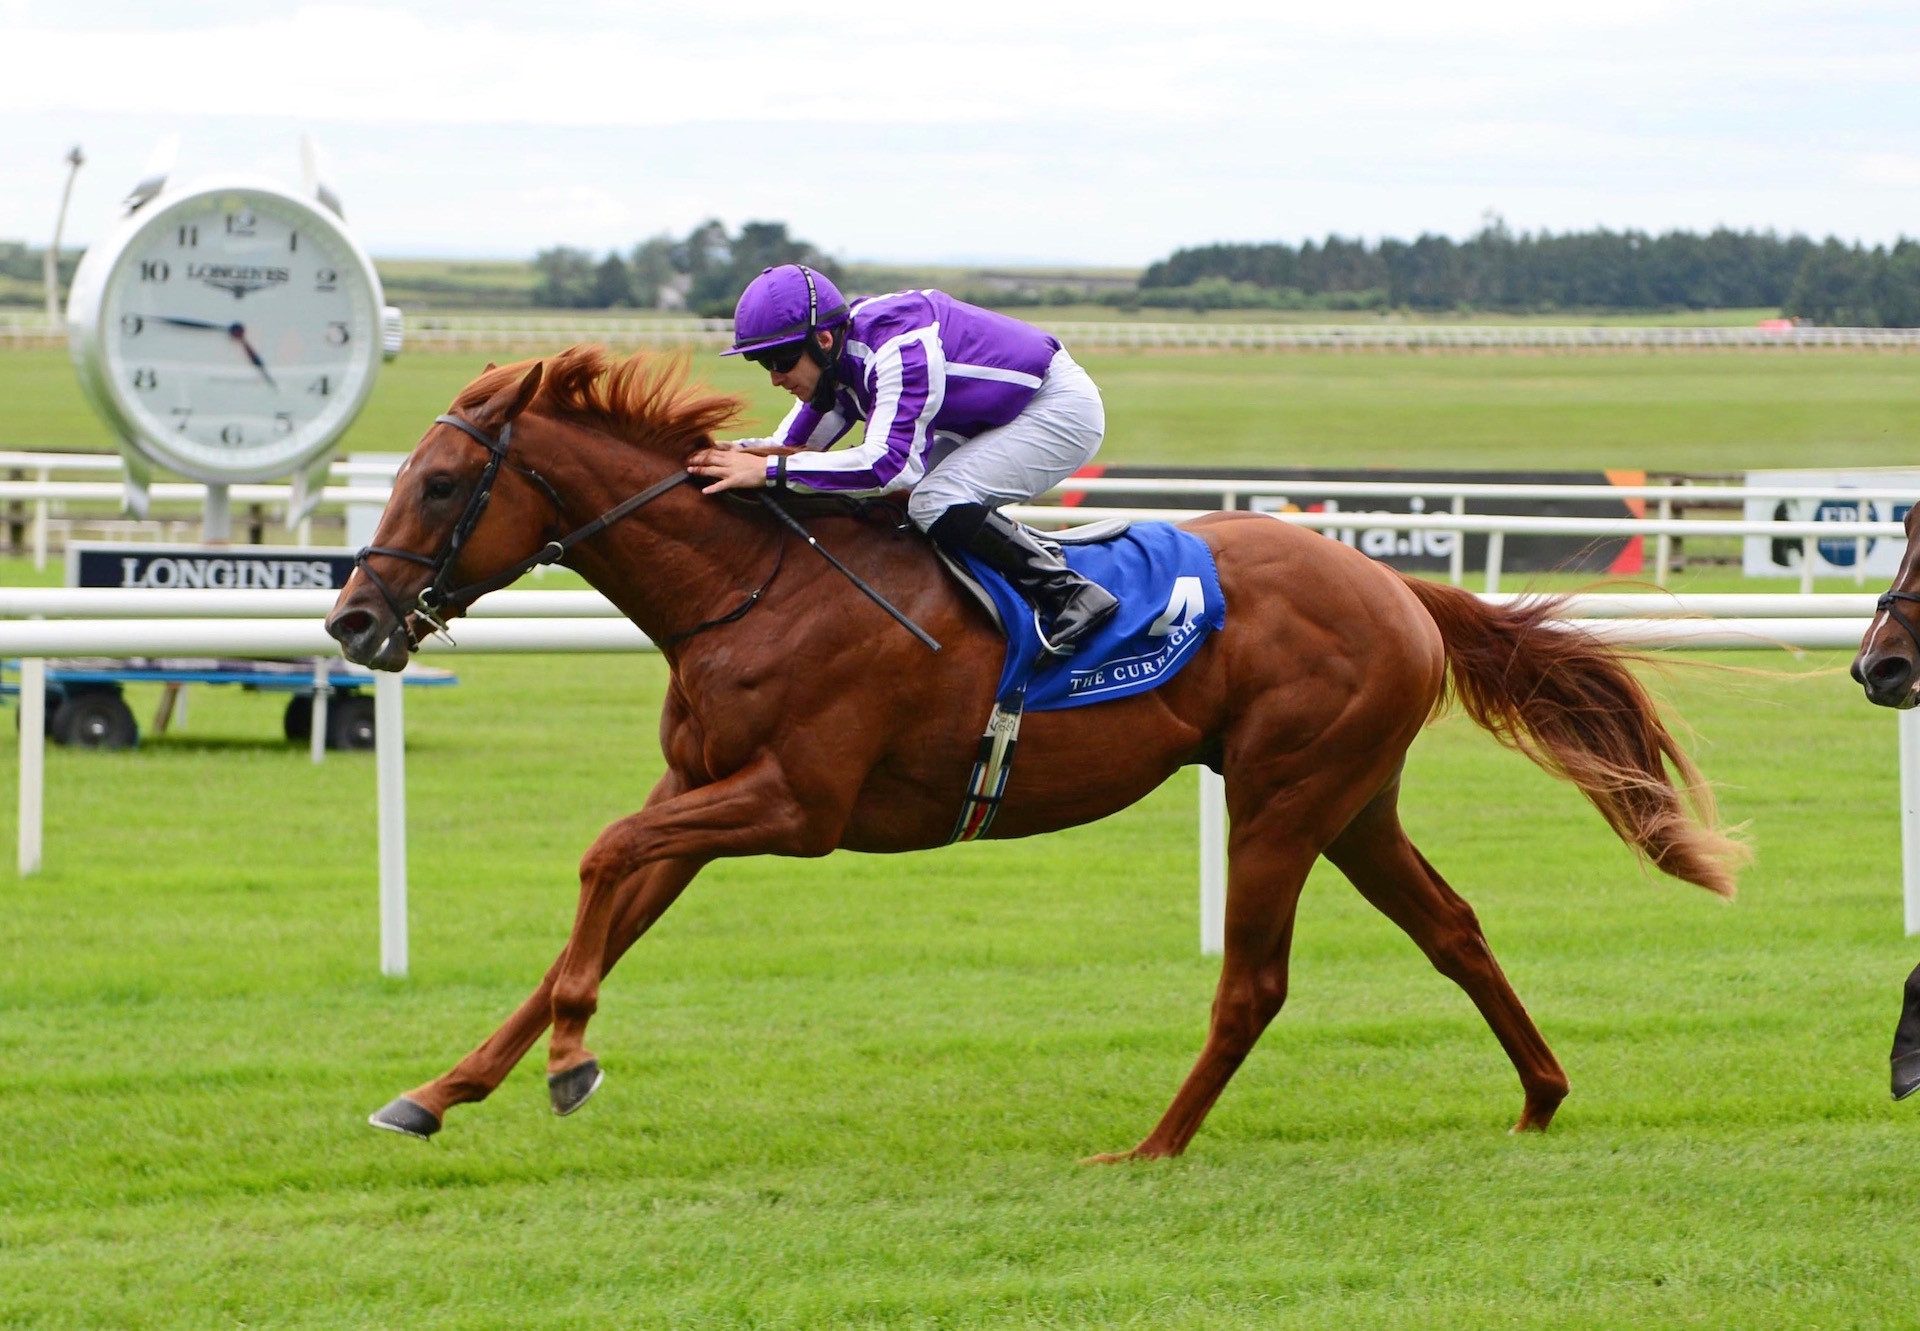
(1681, 411)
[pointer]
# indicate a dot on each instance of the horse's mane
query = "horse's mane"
(644, 398)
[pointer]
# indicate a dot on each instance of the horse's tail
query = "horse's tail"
(1567, 700)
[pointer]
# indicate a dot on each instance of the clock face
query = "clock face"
(238, 333)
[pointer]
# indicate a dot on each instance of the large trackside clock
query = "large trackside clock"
(229, 331)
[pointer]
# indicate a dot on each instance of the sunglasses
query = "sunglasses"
(777, 359)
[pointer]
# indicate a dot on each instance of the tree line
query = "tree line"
(702, 272)
(1828, 282)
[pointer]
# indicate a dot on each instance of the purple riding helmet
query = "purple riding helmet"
(784, 305)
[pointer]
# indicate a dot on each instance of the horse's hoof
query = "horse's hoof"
(1906, 1075)
(405, 1117)
(570, 1089)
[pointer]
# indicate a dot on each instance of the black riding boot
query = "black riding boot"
(1070, 606)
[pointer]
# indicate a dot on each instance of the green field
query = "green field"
(1682, 411)
(851, 1092)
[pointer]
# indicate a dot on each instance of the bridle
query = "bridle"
(435, 599)
(1886, 604)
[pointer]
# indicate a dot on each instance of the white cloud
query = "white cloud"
(1009, 127)
(1899, 170)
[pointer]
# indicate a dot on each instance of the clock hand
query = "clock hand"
(192, 323)
(238, 332)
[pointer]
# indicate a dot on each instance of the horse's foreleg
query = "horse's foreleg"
(1266, 870)
(749, 813)
(1376, 856)
(421, 1111)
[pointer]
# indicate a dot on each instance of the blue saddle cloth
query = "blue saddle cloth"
(1170, 603)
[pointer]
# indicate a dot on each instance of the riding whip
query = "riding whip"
(826, 554)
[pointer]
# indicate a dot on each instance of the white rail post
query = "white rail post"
(1496, 555)
(33, 760)
(1457, 561)
(1213, 863)
(1910, 817)
(390, 758)
(317, 712)
(1663, 547)
(1808, 548)
(40, 524)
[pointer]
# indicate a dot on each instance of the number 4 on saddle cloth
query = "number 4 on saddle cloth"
(1170, 603)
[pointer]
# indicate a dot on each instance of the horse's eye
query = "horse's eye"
(440, 487)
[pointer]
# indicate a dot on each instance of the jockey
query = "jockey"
(966, 408)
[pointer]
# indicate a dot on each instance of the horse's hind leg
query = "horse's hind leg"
(1376, 856)
(1267, 867)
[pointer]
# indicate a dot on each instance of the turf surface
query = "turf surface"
(851, 1092)
(1684, 411)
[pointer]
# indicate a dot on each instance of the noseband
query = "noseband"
(1886, 603)
(435, 600)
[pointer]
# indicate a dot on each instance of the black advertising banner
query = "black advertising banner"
(1413, 551)
(207, 567)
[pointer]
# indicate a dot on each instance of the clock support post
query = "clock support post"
(216, 522)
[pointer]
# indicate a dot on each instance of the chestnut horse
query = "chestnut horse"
(799, 719)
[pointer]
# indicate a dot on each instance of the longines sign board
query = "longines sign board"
(206, 567)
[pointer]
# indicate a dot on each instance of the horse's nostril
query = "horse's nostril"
(1889, 672)
(349, 624)
(1859, 677)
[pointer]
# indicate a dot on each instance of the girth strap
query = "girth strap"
(992, 766)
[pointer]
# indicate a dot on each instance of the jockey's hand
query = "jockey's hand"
(765, 448)
(731, 468)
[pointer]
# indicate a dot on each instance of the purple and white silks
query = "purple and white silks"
(918, 365)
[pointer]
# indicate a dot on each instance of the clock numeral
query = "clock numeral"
(241, 223)
(181, 415)
(146, 378)
(325, 280)
(231, 434)
(189, 237)
(155, 270)
(337, 333)
(321, 387)
(283, 422)
(293, 242)
(132, 324)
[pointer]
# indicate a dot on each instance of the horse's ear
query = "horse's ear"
(490, 366)
(509, 402)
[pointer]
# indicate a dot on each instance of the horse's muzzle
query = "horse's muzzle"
(369, 637)
(1887, 677)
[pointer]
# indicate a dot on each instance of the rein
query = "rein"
(435, 598)
(1886, 603)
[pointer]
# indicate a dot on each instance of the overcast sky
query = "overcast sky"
(983, 131)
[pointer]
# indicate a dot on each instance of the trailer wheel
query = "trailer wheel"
(51, 713)
(97, 719)
(350, 722)
(298, 722)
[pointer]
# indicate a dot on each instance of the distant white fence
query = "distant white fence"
(94, 623)
(476, 332)
(368, 481)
